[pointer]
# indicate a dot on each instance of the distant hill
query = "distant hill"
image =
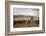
(24, 16)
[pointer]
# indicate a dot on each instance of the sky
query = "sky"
(26, 11)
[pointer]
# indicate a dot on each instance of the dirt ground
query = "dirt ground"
(26, 25)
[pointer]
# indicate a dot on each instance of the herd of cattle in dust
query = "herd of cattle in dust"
(25, 21)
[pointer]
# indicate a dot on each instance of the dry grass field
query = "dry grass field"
(26, 25)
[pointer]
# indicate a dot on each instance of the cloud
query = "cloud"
(26, 11)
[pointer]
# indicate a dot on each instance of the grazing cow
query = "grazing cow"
(37, 21)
